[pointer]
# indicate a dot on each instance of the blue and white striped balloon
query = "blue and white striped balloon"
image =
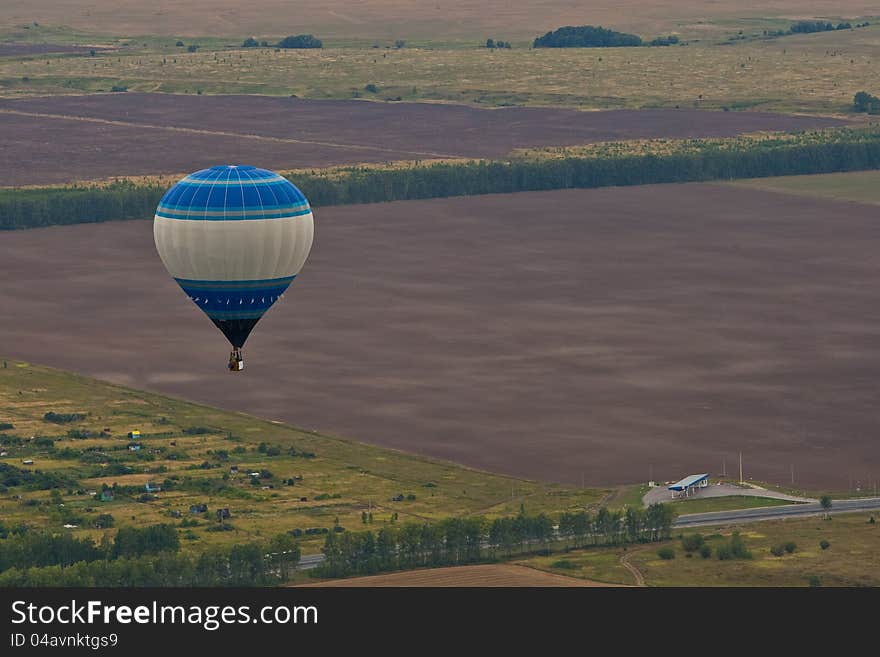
(234, 238)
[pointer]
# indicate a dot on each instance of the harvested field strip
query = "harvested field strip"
(490, 575)
(44, 144)
(219, 133)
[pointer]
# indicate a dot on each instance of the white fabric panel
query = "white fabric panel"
(253, 249)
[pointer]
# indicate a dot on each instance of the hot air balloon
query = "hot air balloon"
(234, 238)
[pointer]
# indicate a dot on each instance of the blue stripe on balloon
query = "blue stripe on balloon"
(236, 285)
(235, 299)
(250, 215)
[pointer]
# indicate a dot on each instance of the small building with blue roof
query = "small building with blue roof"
(687, 486)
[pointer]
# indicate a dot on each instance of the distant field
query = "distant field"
(816, 73)
(72, 138)
(853, 558)
(413, 19)
(341, 480)
(604, 336)
(489, 575)
(858, 186)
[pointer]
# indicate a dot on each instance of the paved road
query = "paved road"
(774, 512)
(310, 561)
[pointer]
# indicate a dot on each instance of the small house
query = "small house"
(223, 514)
(134, 434)
(152, 487)
(28, 462)
(134, 447)
(233, 469)
(198, 508)
(175, 513)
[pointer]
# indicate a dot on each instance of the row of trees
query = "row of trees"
(65, 561)
(855, 150)
(456, 541)
(808, 27)
(293, 41)
(38, 549)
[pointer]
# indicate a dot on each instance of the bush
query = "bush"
(777, 550)
(250, 42)
(586, 36)
(664, 41)
(118, 88)
(300, 41)
(824, 544)
(865, 102)
(790, 547)
(705, 551)
(814, 581)
(564, 564)
(371, 88)
(104, 521)
(666, 553)
(192, 48)
(197, 431)
(179, 44)
(692, 542)
(6, 425)
(63, 418)
(738, 547)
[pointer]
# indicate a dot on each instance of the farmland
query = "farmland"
(191, 450)
(632, 340)
(73, 138)
(423, 19)
(816, 73)
(488, 575)
(851, 558)
(859, 187)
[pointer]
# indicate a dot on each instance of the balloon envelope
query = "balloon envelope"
(234, 238)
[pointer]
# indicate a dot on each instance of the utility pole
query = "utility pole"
(740, 467)
(723, 467)
(792, 474)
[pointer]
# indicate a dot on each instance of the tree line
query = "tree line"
(141, 557)
(457, 541)
(847, 151)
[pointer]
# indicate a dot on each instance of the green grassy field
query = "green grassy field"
(807, 73)
(696, 505)
(853, 558)
(340, 481)
(858, 186)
